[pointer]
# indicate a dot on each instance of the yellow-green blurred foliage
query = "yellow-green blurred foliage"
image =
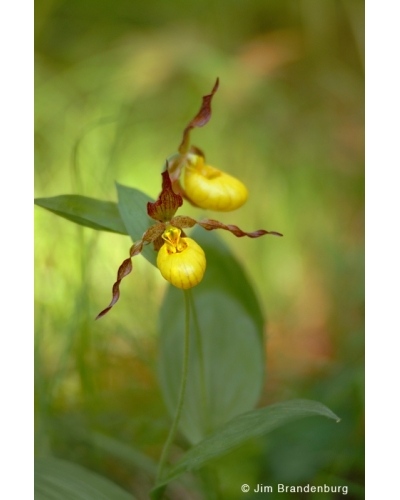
(116, 83)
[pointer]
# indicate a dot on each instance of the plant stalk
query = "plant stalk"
(174, 426)
(201, 362)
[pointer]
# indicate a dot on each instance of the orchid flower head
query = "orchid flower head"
(204, 186)
(180, 259)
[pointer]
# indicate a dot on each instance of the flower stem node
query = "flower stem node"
(181, 260)
(209, 188)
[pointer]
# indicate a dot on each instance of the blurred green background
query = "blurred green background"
(116, 83)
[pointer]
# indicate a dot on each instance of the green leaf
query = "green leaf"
(132, 205)
(226, 272)
(243, 427)
(57, 479)
(124, 452)
(229, 345)
(96, 214)
(131, 456)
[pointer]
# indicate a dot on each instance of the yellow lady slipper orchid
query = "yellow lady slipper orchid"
(204, 186)
(212, 189)
(181, 260)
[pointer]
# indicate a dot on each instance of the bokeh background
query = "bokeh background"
(116, 82)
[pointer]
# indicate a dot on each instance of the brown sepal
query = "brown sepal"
(210, 224)
(199, 120)
(167, 203)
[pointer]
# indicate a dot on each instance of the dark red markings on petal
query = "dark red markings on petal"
(211, 224)
(124, 269)
(167, 203)
(182, 221)
(202, 117)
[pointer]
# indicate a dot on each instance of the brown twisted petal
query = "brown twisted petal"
(136, 248)
(201, 119)
(124, 269)
(151, 235)
(210, 224)
(167, 203)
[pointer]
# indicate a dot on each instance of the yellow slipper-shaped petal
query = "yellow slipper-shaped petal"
(212, 189)
(181, 261)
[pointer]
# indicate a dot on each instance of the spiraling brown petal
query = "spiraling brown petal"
(182, 221)
(124, 269)
(167, 203)
(136, 248)
(202, 117)
(211, 224)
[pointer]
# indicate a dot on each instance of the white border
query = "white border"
(16, 249)
(382, 247)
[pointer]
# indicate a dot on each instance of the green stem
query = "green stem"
(211, 483)
(201, 360)
(172, 431)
